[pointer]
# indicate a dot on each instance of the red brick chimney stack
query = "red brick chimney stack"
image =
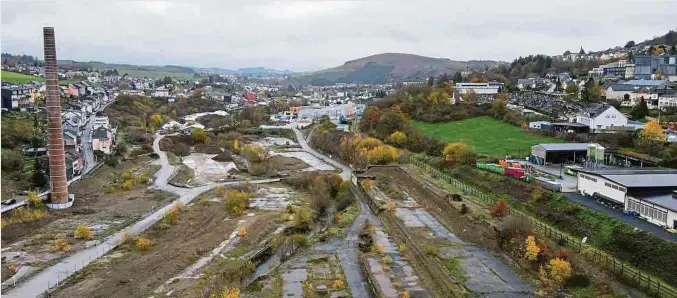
(57, 158)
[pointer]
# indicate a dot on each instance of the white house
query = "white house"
(160, 92)
(667, 101)
(601, 117)
(649, 192)
(101, 122)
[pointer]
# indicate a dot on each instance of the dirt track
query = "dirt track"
(126, 272)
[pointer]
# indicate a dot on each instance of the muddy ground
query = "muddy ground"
(128, 272)
(33, 243)
(457, 241)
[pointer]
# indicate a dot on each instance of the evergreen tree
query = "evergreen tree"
(458, 78)
(640, 111)
(431, 81)
(39, 179)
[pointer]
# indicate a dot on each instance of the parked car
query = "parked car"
(9, 201)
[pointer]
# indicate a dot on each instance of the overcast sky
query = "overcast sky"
(313, 35)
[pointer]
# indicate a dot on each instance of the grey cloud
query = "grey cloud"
(316, 34)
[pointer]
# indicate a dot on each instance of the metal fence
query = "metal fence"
(622, 270)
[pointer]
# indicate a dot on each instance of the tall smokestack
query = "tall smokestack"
(57, 158)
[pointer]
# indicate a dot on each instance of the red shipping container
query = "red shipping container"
(514, 172)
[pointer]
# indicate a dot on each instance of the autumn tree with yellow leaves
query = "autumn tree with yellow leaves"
(531, 249)
(398, 138)
(652, 132)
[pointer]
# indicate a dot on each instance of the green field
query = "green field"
(19, 78)
(486, 135)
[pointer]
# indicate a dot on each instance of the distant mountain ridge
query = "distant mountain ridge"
(387, 67)
(249, 71)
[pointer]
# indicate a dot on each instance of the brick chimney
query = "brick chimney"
(57, 158)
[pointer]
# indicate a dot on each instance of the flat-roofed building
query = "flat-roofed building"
(648, 192)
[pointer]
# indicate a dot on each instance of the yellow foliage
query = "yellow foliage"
(236, 201)
(142, 243)
(62, 245)
(652, 131)
(378, 248)
(156, 119)
(367, 184)
(457, 152)
(230, 293)
(242, 232)
(398, 138)
(34, 199)
(532, 250)
(368, 143)
(382, 154)
(560, 271)
(172, 216)
(387, 260)
(236, 145)
(657, 52)
(255, 153)
(339, 284)
(83, 232)
(22, 215)
(405, 295)
(390, 206)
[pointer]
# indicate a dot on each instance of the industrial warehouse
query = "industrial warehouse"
(650, 193)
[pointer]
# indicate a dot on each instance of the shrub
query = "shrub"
(537, 195)
(456, 197)
(382, 154)
(390, 206)
(230, 293)
(34, 199)
(142, 243)
(531, 249)
(236, 201)
(301, 240)
(242, 232)
(62, 245)
(387, 260)
(464, 209)
(405, 295)
(431, 250)
(172, 215)
(83, 232)
(339, 284)
(499, 209)
(378, 248)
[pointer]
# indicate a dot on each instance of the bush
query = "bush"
(387, 260)
(172, 216)
(142, 243)
(237, 201)
(499, 209)
(242, 232)
(464, 209)
(62, 245)
(83, 232)
(301, 240)
(456, 197)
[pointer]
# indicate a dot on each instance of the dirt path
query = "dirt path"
(127, 272)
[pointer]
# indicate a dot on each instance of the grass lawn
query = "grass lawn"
(19, 78)
(486, 135)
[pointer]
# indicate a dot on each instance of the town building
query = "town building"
(646, 67)
(103, 140)
(650, 193)
(601, 117)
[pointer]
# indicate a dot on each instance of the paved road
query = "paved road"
(90, 163)
(49, 277)
(631, 220)
(346, 172)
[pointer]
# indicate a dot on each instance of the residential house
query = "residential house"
(18, 97)
(601, 117)
(76, 116)
(668, 100)
(74, 164)
(160, 92)
(103, 140)
(70, 141)
(101, 121)
(72, 127)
